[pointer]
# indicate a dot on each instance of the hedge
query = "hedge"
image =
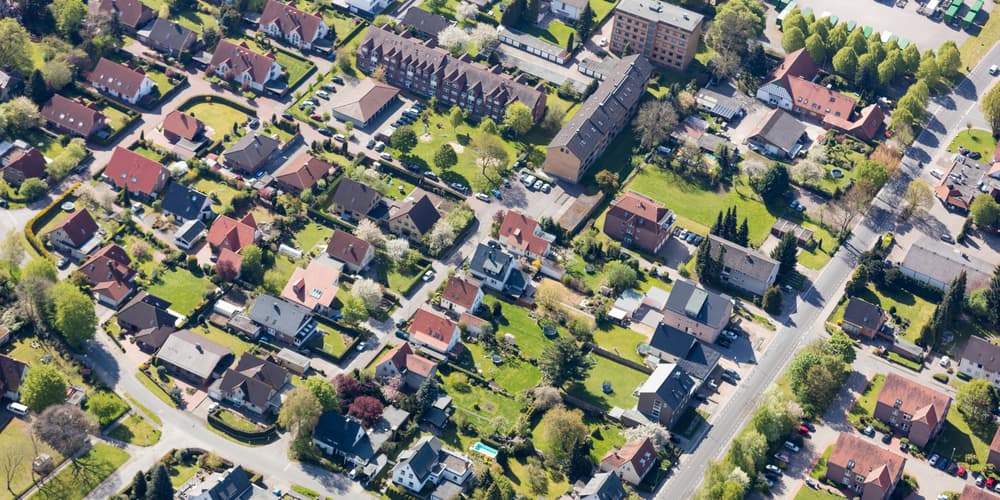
(33, 225)
(265, 435)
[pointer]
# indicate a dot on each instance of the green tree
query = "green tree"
(39, 90)
(733, 25)
(42, 387)
(976, 400)
(403, 139)
(992, 297)
(620, 276)
(991, 110)
(564, 434)
(105, 406)
(41, 268)
(772, 300)
(748, 450)
(772, 184)
(794, 19)
(160, 487)
(300, 411)
(426, 395)
(845, 62)
(138, 487)
(786, 253)
(456, 117)
(911, 59)
(563, 361)
(32, 188)
(73, 312)
(949, 59)
(773, 418)
(856, 40)
(866, 77)
(15, 46)
(890, 68)
(69, 16)
(586, 22)
(816, 47)
(607, 181)
(324, 391)
(793, 39)
(353, 309)
(929, 70)
(230, 20)
(518, 119)
(445, 157)
(842, 346)
(837, 38)
(252, 267)
(874, 173)
(435, 5)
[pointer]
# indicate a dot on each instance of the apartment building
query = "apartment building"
(666, 34)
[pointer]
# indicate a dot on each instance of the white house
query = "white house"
(981, 359)
(297, 27)
(461, 295)
(367, 6)
(428, 462)
(244, 66)
(118, 80)
(568, 9)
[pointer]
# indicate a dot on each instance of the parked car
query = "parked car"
(934, 459)
(792, 447)
(769, 483)
(338, 80)
(483, 197)
(431, 175)
(729, 334)
(782, 457)
(869, 431)
(732, 373)
(496, 194)
(904, 447)
(339, 137)
(287, 116)
(945, 237)
(538, 185)
(994, 69)
(253, 123)
(887, 438)
(322, 94)
(804, 430)
(401, 322)
(329, 87)
(773, 469)
(386, 156)
(809, 426)
(62, 263)
(325, 131)
(17, 409)
(990, 483)
(370, 144)
(546, 188)
(943, 463)
(975, 155)
(316, 116)
(379, 146)
(810, 482)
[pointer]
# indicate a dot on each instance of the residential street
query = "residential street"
(805, 323)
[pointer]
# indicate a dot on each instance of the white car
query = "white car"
(429, 275)
(17, 409)
(994, 70)
(792, 447)
(937, 174)
(604, 41)
(934, 459)
(483, 197)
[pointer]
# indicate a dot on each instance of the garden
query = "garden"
(232, 342)
(865, 405)
(135, 430)
(217, 115)
(401, 277)
(182, 289)
(331, 341)
(609, 384)
(910, 311)
(218, 191)
(296, 67)
(84, 474)
(977, 140)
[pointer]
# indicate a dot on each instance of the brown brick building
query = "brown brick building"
(667, 34)
(912, 408)
(639, 222)
(864, 468)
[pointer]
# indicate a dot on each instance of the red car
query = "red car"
(804, 430)
(961, 472)
(990, 482)
(316, 116)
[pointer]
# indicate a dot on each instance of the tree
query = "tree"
(397, 248)
(230, 20)
(771, 302)
(70, 158)
(456, 116)
(366, 409)
(105, 406)
(991, 108)
(32, 189)
(949, 59)
(725, 65)
(370, 232)
(435, 5)
(160, 487)
(992, 297)
(564, 433)
(441, 237)
(252, 267)
(493, 156)
(793, 39)
(546, 397)
(733, 25)
(856, 40)
(518, 118)
(563, 361)
(300, 411)
(786, 253)
(455, 39)
(918, 197)
(866, 77)
(353, 310)
(324, 392)
(874, 175)
(69, 16)
(774, 416)
(403, 139)
(138, 487)
(772, 184)
(749, 450)
(74, 315)
(890, 68)
(816, 47)
(369, 291)
(607, 181)
(976, 400)
(911, 59)
(586, 21)
(654, 123)
(929, 70)
(445, 157)
(426, 395)
(12, 251)
(842, 346)
(63, 427)
(19, 115)
(15, 46)
(39, 90)
(465, 12)
(620, 276)
(42, 387)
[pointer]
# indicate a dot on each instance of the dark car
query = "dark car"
(253, 123)
(809, 425)
(724, 342)
(287, 116)
(431, 175)
(728, 378)
(402, 334)
(338, 80)
(400, 323)
(975, 155)
(325, 131)
(943, 463)
(887, 438)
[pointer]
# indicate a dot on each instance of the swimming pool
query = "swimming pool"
(485, 450)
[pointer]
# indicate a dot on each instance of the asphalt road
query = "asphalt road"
(948, 114)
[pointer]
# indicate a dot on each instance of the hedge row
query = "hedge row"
(41, 218)
(268, 434)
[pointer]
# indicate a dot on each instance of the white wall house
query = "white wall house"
(369, 6)
(775, 94)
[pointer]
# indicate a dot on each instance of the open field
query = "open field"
(16, 439)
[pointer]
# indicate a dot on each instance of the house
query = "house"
(413, 217)
(193, 356)
(314, 287)
(994, 455)
(602, 486)
(779, 134)
(110, 275)
(697, 311)
(938, 265)
(643, 307)
(402, 361)
(294, 26)
(698, 359)
(251, 152)
(118, 80)
(665, 394)
(744, 268)
(11, 84)
(234, 235)
(20, 164)
(151, 340)
(793, 88)
(981, 359)
(497, 270)
(180, 126)
(430, 71)
(247, 68)
(425, 23)
(12, 372)
(76, 236)
(145, 311)
(301, 173)
(971, 492)
(360, 104)
(605, 114)
(637, 221)
(336, 434)
(868, 470)
(189, 234)
(132, 14)
(73, 117)
(631, 462)
(719, 105)
(354, 200)
(461, 295)
(665, 33)
(569, 10)
(186, 204)
(141, 176)
(255, 384)
(433, 331)
(231, 484)
(168, 37)
(283, 320)
(523, 236)
(864, 319)
(912, 408)
(428, 462)
(367, 8)
(354, 252)
(439, 413)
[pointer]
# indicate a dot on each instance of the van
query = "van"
(17, 409)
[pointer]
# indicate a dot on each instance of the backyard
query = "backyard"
(182, 289)
(296, 66)
(622, 379)
(400, 279)
(136, 430)
(513, 374)
(332, 342)
(908, 306)
(957, 440)
(16, 439)
(217, 190)
(526, 330)
(83, 475)
(620, 341)
(218, 116)
(478, 404)
(865, 405)
(311, 236)
(226, 339)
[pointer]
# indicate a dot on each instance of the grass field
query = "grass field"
(162, 81)
(819, 470)
(117, 119)
(79, 478)
(155, 389)
(16, 439)
(226, 339)
(957, 439)
(620, 341)
(512, 374)
(136, 430)
(181, 473)
(807, 493)
(974, 140)
(36, 352)
(624, 381)
(331, 342)
(312, 236)
(527, 333)
(218, 116)
(182, 289)
(236, 421)
(223, 192)
(480, 404)
(974, 48)
(557, 33)
(865, 405)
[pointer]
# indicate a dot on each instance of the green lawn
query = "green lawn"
(311, 236)
(223, 192)
(295, 66)
(620, 341)
(136, 430)
(807, 493)
(974, 48)
(339, 23)
(624, 381)
(908, 306)
(224, 338)
(194, 19)
(47, 144)
(117, 119)
(146, 411)
(602, 8)
(557, 33)
(974, 140)
(397, 278)
(332, 342)
(865, 405)
(182, 289)
(479, 404)
(163, 83)
(155, 389)
(527, 333)
(181, 473)
(79, 478)
(236, 421)
(958, 440)
(16, 439)
(512, 374)
(818, 472)
(218, 116)
(149, 153)
(44, 352)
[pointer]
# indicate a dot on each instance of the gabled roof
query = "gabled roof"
(780, 129)
(937, 261)
(346, 247)
(634, 206)
(192, 353)
(171, 36)
(419, 208)
(233, 484)
(72, 115)
(182, 124)
(877, 465)
(460, 291)
(432, 329)
(131, 13)
(229, 259)
(109, 273)
(283, 316)
(146, 311)
(240, 59)
(302, 172)
(641, 454)
(251, 150)
(132, 171)
(355, 196)
(670, 383)
(697, 358)
(425, 22)
(923, 403)
(291, 20)
(313, 286)
(490, 261)
(154, 337)
(405, 360)
(364, 100)
(79, 227)
(258, 378)
(422, 457)
(863, 313)
(519, 231)
(980, 351)
(11, 372)
(747, 261)
(117, 76)
(29, 162)
(344, 434)
(603, 486)
(183, 201)
(798, 64)
(699, 304)
(232, 234)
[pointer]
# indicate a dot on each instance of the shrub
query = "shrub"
(940, 377)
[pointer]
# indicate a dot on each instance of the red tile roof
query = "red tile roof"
(432, 329)
(312, 286)
(229, 233)
(73, 115)
(131, 13)
(637, 205)
(132, 171)
(519, 231)
(923, 403)
(403, 357)
(79, 227)
(109, 273)
(290, 20)
(229, 259)
(182, 124)
(117, 76)
(302, 172)
(878, 466)
(798, 64)
(640, 453)
(971, 492)
(461, 292)
(346, 247)
(240, 59)
(29, 162)
(11, 371)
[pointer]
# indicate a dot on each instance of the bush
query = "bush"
(940, 377)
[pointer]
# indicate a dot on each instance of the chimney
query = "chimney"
(199, 348)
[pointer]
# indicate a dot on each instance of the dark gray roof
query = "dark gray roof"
(980, 351)
(154, 337)
(696, 357)
(255, 391)
(146, 311)
(190, 229)
(603, 486)
(251, 150)
(506, 33)
(718, 104)
(671, 384)
(489, 261)
(422, 457)
(425, 22)
(742, 259)
(446, 490)
(862, 313)
(602, 113)
(182, 201)
(193, 353)
(341, 433)
(780, 129)
(938, 262)
(283, 316)
(421, 211)
(355, 196)
(171, 36)
(706, 307)
(233, 484)
(663, 12)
